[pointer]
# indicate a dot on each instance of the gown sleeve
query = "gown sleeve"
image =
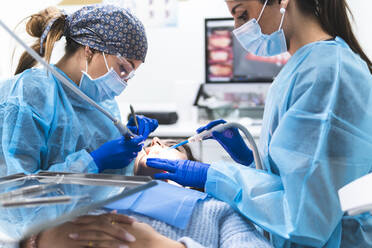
(27, 114)
(24, 145)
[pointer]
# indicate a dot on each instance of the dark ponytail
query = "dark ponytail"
(333, 16)
(35, 27)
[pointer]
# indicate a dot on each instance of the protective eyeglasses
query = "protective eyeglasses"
(126, 69)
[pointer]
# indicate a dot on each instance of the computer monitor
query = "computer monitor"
(226, 61)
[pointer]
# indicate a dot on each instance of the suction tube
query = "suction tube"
(252, 143)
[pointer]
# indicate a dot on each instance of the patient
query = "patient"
(212, 223)
(159, 149)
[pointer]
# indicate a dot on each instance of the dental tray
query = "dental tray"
(32, 203)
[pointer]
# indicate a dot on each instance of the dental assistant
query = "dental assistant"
(44, 125)
(316, 135)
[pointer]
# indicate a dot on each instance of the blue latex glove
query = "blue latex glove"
(145, 125)
(118, 153)
(185, 172)
(231, 141)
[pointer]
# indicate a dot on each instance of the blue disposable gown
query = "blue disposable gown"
(316, 137)
(45, 126)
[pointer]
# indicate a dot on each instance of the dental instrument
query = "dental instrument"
(133, 115)
(196, 138)
(220, 128)
(135, 121)
(29, 191)
(180, 144)
(36, 201)
(119, 125)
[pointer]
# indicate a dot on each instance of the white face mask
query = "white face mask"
(105, 87)
(254, 41)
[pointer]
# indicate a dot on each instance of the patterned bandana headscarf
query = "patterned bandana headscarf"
(109, 29)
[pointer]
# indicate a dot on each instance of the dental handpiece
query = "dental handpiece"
(195, 138)
(220, 128)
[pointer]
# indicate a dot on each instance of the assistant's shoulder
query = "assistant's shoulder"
(35, 78)
(34, 88)
(328, 72)
(334, 58)
(328, 65)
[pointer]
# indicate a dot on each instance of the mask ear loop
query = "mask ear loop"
(259, 17)
(86, 66)
(282, 11)
(131, 73)
(104, 57)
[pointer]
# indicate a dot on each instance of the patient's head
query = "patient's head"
(159, 149)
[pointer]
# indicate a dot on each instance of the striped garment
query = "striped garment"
(213, 224)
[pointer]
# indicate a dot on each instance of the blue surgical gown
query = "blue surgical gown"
(316, 137)
(45, 126)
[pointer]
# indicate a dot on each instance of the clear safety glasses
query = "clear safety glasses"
(126, 69)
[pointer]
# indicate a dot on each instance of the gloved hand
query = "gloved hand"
(145, 125)
(118, 153)
(184, 172)
(231, 141)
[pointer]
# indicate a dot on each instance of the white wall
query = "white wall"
(174, 66)
(176, 55)
(361, 10)
(11, 13)
(175, 62)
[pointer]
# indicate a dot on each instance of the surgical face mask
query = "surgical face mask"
(102, 88)
(254, 41)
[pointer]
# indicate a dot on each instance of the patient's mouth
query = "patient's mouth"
(147, 151)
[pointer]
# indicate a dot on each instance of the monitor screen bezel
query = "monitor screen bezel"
(206, 20)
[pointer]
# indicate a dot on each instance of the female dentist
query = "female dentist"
(43, 124)
(316, 135)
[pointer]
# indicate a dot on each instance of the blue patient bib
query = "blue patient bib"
(164, 202)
